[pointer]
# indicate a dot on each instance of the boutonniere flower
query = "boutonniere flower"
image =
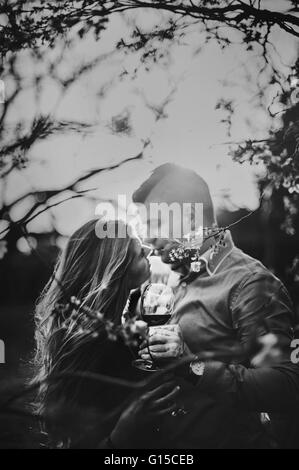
(190, 251)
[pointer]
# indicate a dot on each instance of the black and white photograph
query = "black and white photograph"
(149, 227)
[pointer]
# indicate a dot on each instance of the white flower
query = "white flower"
(140, 327)
(3, 249)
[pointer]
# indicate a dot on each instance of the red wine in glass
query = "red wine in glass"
(156, 316)
(156, 320)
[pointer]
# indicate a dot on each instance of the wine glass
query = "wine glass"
(157, 307)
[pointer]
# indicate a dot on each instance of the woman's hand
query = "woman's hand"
(143, 413)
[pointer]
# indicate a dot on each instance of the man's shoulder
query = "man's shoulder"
(252, 283)
(246, 262)
(244, 267)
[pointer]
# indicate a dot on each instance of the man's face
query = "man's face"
(165, 218)
(162, 226)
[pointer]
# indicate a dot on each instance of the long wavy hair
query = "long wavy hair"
(95, 271)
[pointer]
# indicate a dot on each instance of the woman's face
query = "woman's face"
(140, 267)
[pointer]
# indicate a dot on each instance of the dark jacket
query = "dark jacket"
(234, 300)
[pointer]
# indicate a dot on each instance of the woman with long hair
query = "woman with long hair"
(72, 350)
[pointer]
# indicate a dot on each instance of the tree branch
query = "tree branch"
(45, 196)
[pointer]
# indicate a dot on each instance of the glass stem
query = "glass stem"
(149, 351)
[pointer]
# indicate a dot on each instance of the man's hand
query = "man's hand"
(165, 342)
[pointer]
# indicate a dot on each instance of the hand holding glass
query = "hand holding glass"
(157, 306)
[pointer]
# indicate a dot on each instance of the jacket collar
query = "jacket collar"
(214, 257)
